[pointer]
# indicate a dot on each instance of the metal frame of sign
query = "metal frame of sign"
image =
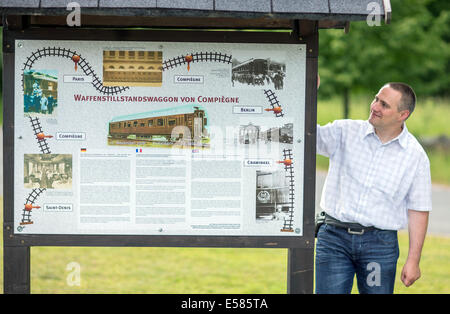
(17, 246)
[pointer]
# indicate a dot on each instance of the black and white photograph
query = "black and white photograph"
(251, 133)
(258, 71)
(272, 195)
(48, 171)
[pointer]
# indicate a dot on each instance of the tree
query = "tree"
(413, 49)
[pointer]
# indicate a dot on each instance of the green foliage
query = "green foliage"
(414, 49)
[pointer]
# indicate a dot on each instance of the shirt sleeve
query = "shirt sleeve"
(419, 194)
(328, 138)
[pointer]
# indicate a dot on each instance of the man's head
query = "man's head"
(393, 104)
(408, 99)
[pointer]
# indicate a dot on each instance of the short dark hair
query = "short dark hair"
(408, 100)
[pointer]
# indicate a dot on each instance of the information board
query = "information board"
(159, 138)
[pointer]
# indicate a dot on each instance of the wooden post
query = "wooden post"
(300, 271)
(16, 257)
(301, 260)
(16, 269)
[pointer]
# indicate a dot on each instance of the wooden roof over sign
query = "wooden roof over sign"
(227, 13)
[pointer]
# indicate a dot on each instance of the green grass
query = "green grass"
(430, 118)
(160, 270)
(434, 265)
(201, 270)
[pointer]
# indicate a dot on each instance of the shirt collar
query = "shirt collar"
(402, 138)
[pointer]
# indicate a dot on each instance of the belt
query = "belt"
(352, 227)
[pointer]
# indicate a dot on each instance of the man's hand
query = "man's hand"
(418, 223)
(410, 273)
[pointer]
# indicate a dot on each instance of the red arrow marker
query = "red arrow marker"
(286, 162)
(76, 59)
(274, 109)
(188, 59)
(30, 207)
(41, 136)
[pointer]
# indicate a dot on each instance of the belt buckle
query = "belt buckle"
(349, 230)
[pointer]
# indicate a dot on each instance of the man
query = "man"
(378, 182)
(50, 104)
(44, 104)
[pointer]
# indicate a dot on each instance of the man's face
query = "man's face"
(384, 109)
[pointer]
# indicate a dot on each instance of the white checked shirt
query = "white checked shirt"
(371, 183)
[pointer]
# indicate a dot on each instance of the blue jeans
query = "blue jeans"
(340, 255)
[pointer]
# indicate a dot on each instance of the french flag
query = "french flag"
(138, 150)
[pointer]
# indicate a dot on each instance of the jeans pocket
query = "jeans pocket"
(387, 237)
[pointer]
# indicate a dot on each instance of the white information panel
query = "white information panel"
(159, 138)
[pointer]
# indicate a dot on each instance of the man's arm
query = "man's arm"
(417, 227)
(329, 137)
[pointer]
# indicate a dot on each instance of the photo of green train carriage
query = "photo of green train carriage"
(183, 123)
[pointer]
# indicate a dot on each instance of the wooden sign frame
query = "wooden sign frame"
(17, 246)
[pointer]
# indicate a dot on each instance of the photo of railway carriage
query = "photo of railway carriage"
(258, 72)
(183, 124)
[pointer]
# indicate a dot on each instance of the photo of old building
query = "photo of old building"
(132, 68)
(249, 133)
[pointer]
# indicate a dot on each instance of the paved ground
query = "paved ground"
(439, 222)
(439, 217)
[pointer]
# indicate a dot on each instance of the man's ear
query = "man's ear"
(404, 114)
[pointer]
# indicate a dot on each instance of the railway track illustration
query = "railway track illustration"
(37, 129)
(28, 206)
(196, 57)
(274, 103)
(289, 168)
(167, 65)
(79, 62)
(114, 90)
(36, 192)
